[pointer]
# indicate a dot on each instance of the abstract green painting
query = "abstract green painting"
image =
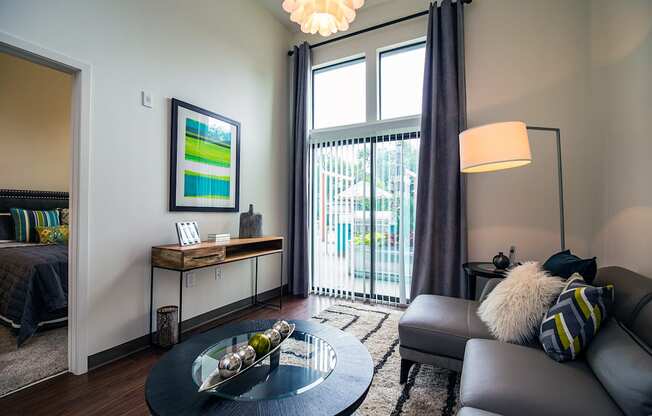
(204, 160)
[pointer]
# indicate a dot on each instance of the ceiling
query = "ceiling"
(274, 6)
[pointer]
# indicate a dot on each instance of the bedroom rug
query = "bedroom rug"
(428, 391)
(43, 355)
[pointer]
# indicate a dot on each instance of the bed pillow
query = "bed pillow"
(572, 322)
(64, 216)
(514, 309)
(53, 235)
(565, 264)
(26, 221)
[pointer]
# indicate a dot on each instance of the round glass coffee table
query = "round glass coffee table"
(319, 370)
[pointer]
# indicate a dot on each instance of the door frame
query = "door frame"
(78, 262)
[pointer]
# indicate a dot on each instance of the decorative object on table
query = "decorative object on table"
(572, 322)
(501, 261)
(282, 327)
(247, 354)
(259, 343)
(274, 337)
(251, 224)
(506, 145)
(188, 233)
(204, 160)
(167, 330)
(229, 365)
(564, 264)
(512, 255)
(514, 309)
(219, 238)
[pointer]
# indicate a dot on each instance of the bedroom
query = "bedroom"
(35, 141)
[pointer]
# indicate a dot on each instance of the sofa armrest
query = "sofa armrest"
(488, 287)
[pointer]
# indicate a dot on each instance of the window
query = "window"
(401, 81)
(339, 94)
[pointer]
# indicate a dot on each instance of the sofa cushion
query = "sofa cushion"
(471, 411)
(624, 367)
(565, 264)
(572, 322)
(515, 380)
(441, 325)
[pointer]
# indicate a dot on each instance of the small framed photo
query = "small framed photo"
(204, 160)
(188, 233)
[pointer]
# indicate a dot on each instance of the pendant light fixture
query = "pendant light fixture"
(324, 16)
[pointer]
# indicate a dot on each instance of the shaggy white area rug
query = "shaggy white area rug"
(429, 391)
(513, 311)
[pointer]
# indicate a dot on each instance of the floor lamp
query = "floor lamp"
(506, 145)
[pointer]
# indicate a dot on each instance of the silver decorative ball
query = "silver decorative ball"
(274, 336)
(247, 355)
(283, 328)
(229, 365)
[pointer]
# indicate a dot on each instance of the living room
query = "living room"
(372, 139)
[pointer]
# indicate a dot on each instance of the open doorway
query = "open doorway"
(69, 320)
(36, 144)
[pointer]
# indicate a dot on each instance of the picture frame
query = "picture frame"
(204, 160)
(188, 233)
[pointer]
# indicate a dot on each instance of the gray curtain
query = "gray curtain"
(440, 237)
(298, 272)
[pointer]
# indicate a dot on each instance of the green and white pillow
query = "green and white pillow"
(26, 221)
(573, 321)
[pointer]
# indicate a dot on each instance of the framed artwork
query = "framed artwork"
(188, 233)
(204, 160)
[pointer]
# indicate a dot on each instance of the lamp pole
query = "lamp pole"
(561, 180)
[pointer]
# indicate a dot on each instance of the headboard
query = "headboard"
(36, 200)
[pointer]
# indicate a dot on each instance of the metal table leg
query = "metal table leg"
(180, 302)
(151, 303)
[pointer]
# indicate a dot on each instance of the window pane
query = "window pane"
(401, 81)
(339, 95)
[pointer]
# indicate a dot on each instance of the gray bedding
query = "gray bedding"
(33, 287)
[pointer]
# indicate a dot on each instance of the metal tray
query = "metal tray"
(215, 381)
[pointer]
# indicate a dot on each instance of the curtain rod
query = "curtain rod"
(371, 28)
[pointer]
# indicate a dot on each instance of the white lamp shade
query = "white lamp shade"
(494, 146)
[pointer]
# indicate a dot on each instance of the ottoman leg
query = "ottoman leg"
(406, 365)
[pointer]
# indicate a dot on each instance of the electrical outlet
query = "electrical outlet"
(218, 273)
(190, 280)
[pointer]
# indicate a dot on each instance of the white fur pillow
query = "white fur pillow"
(514, 309)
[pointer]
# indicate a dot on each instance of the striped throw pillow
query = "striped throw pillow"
(26, 221)
(572, 322)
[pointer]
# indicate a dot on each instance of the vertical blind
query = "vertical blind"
(363, 201)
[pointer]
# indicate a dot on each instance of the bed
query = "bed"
(33, 277)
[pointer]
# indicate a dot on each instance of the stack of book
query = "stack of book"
(219, 238)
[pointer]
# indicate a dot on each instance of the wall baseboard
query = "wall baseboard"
(141, 343)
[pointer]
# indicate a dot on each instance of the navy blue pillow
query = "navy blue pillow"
(564, 264)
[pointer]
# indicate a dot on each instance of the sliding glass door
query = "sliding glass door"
(363, 214)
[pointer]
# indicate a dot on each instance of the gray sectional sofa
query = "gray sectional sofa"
(612, 377)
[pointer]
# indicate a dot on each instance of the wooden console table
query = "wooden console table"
(208, 254)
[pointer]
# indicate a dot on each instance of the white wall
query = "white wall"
(35, 138)
(621, 34)
(228, 57)
(526, 60)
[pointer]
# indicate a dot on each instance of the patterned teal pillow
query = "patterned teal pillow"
(572, 322)
(26, 221)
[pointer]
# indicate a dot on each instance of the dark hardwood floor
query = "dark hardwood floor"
(118, 388)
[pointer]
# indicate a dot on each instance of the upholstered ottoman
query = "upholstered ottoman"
(434, 330)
